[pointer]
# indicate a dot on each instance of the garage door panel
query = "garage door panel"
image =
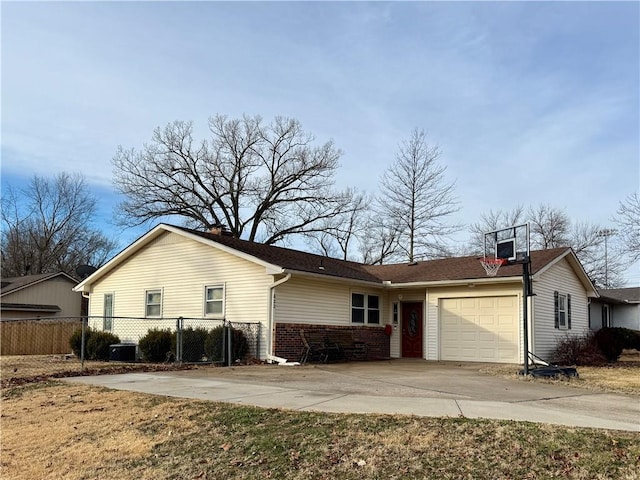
(481, 329)
(486, 321)
(487, 337)
(507, 302)
(487, 302)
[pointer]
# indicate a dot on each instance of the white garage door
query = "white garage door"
(479, 329)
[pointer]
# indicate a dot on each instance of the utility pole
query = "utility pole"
(606, 233)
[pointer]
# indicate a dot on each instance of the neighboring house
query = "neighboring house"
(619, 307)
(437, 310)
(39, 296)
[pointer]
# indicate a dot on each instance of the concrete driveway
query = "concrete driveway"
(415, 387)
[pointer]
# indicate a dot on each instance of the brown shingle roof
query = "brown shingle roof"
(292, 259)
(631, 294)
(458, 268)
(10, 284)
(30, 307)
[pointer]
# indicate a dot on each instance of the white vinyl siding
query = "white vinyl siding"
(561, 278)
(182, 267)
(626, 316)
(314, 301)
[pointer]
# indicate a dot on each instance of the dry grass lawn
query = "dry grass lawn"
(52, 430)
(620, 377)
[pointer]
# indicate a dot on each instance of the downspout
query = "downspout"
(270, 317)
(84, 333)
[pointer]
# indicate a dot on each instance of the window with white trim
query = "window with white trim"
(214, 301)
(373, 309)
(153, 303)
(365, 309)
(107, 312)
(562, 310)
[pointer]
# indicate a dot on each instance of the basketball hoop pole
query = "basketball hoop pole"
(526, 291)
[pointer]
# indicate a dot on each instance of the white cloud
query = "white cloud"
(544, 96)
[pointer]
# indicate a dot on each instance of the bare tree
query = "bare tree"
(340, 234)
(628, 221)
(264, 182)
(48, 227)
(550, 227)
(416, 194)
(380, 245)
(602, 265)
(490, 222)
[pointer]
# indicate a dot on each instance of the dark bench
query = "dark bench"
(316, 346)
(347, 345)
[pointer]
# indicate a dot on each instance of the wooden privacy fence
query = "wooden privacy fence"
(37, 336)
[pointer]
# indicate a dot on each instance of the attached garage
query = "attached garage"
(479, 329)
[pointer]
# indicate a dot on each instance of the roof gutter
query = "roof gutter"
(270, 325)
(446, 283)
(333, 278)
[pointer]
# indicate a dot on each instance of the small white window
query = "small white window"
(214, 301)
(107, 319)
(365, 308)
(373, 309)
(153, 305)
(357, 308)
(562, 311)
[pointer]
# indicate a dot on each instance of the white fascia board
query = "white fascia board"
(447, 283)
(333, 278)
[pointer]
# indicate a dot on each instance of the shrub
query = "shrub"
(630, 338)
(193, 344)
(214, 346)
(75, 342)
(613, 340)
(96, 343)
(157, 345)
(584, 351)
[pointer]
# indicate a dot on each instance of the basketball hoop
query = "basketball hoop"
(492, 265)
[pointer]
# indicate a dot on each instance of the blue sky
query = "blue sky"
(529, 102)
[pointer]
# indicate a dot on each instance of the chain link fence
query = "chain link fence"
(68, 343)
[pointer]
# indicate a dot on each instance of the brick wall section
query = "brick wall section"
(288, 343)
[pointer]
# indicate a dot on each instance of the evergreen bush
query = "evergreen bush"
(157, 345)
(96, 343)
(193, 344)
(215, 342)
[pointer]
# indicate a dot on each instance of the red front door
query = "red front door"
(412, 330)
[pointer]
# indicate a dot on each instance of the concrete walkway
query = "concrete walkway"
(432, 389)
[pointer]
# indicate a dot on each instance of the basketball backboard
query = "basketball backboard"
(510, 244)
